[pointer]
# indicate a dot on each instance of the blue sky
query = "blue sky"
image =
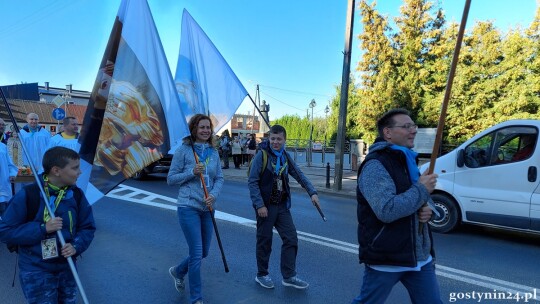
(292, 49)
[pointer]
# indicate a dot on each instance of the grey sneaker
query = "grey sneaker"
(178, 282)
(295, 282)
(265, 281)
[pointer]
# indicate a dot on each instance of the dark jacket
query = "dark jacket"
(385, 238)
(78, 229)
(260, 185)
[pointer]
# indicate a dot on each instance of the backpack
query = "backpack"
(265, 161)
(33, 198)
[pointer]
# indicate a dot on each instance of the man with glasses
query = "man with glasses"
(394, 237)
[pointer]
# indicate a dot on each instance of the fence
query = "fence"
(318, 153)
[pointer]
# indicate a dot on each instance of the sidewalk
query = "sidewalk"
(317, 176)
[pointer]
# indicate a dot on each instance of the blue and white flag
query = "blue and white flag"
(204, 80)
(134, 115)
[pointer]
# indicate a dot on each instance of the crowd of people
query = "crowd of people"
(242, 148)
(393, 197)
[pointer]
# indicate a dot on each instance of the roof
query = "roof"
(20, 108)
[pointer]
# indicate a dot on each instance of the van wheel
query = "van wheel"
(449, 216)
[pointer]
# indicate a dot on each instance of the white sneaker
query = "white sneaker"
(265, 281)
(295, 282)
(178, 282)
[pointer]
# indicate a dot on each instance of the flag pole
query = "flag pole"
(447, 93)
(210, 209)
(44, 196)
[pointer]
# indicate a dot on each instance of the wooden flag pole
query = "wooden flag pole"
(216, 231)
(447, 93)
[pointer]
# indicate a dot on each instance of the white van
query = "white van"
(491, 179)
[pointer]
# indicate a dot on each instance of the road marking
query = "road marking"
(136, 195)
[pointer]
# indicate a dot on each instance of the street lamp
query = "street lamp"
(312, 105)
(326, 111)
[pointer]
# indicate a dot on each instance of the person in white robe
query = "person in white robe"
(69, 137)
(8, 172)
(36, 140)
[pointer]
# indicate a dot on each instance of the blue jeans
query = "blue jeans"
(197, 227)
(422, 285)
(49, 287)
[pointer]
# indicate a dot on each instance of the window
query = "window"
(502, 146)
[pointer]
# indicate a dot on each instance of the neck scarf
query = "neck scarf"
(203, 151)
(53, 199)
(411, 156)
(280, 159)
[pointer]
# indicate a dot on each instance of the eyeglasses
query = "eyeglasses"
(409, 127)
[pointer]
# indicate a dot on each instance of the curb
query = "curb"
(296, 187)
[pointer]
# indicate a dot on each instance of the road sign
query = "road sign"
(58, 101)
(58, 113)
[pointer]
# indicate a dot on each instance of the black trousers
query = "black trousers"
(237, 158)
(280, 217)
(225, 157)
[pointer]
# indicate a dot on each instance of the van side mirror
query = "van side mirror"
(460, 158)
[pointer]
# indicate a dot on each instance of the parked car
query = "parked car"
(491, 180)
(161, 166)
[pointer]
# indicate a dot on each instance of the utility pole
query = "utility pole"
(342, 117)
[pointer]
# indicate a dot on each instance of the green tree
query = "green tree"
(378, 81)
(297, 127)
(353, 129)
(497, 77)
(419, 33)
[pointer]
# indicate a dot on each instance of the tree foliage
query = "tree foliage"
(405, 63)
(497, 76)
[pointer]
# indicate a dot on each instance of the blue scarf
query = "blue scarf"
(202, 150)
(410, 155)
(280, 158)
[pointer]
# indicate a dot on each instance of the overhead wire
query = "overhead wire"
(293, 91)
(41, 14)
(282, 102)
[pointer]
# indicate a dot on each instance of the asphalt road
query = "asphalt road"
(139, 238)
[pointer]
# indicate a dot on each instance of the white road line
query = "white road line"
(444, 271)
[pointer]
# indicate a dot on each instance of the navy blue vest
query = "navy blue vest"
(267, 178)
(387, 243)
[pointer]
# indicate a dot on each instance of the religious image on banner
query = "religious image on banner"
(133, 117)
(131, 133)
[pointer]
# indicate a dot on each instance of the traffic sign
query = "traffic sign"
(58, 101)
(58, 113)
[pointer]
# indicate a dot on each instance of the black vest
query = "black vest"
(267, 178)
(387, 243)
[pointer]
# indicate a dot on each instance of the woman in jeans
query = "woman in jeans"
(193, 207)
